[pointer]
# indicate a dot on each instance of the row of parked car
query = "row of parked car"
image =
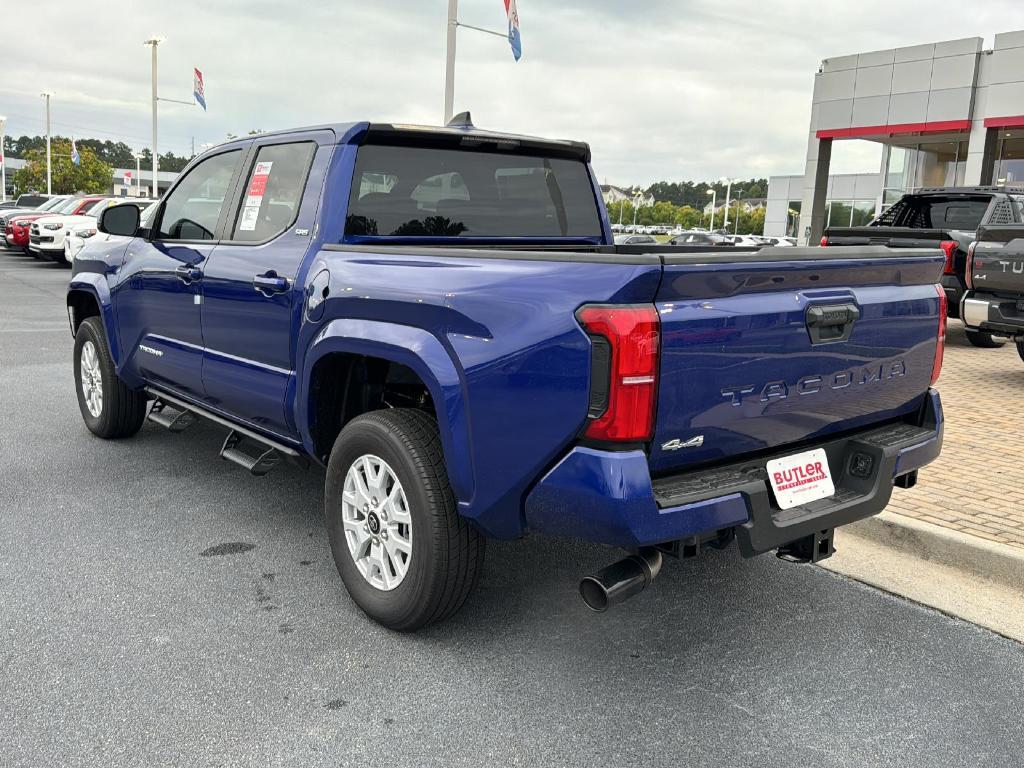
(703, 237)
(57, 228)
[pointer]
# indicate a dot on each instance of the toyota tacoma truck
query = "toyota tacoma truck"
(994, 301)
(439, 316)
(947, 217)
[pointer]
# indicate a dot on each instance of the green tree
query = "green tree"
(91, 176)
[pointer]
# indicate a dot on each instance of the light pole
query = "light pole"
(153, 42)
(736, 229)
(636, 207)
(49, 174)
(3, 160)
(714, 199)
(728, 191)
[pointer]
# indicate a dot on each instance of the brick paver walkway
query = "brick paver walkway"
(977, 484)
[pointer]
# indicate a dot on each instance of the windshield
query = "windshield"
(69, 206)
(97, 208)
(430, 192)
(936, 212)
(52, 204)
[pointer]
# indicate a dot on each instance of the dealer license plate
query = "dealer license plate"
(800, 478)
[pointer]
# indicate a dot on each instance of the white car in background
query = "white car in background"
(85, 233)
(47, 233)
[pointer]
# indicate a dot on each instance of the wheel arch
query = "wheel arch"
(327, 370)
(89, 296)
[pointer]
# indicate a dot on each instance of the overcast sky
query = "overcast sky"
(661, 89)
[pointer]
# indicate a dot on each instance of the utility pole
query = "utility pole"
(3, 160)
(49, 173)
(138, 173)
(736, 230)
(714, 200)
(153, 42)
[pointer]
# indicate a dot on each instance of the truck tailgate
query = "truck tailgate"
(780, 347)
(998, 265)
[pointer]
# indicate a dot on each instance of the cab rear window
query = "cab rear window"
(402, 191)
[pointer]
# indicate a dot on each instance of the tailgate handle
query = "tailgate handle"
(827, 324)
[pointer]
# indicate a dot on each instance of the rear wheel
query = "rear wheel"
(1020, 349)
(109, 408)
(406, 556)
(984, 339)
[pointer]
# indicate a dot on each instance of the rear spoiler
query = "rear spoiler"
(398, 134)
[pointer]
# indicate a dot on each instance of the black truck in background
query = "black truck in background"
(944, 217)
(994, 302)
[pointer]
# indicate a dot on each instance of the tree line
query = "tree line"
(116, 154)
(695, 193)
(688, 216)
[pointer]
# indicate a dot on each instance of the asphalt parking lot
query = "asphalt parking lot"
(159, 606)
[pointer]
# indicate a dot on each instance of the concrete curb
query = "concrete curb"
(996, 562)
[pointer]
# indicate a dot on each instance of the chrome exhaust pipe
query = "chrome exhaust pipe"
(621, 580)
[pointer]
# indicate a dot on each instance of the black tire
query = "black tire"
(122, 410)
(983, 339)
(1020, 349)
(447, 552)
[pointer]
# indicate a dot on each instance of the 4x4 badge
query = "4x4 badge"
(675, 445)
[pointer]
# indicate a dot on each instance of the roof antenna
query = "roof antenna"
(461, 120)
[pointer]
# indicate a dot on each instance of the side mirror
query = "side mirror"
(120, 220)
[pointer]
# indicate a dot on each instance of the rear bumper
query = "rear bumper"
(991, 313)
(609, 497)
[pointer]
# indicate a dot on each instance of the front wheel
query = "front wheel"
(109, 408)
(406, 556)
(983, 339)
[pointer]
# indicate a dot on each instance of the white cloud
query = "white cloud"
(662, 89)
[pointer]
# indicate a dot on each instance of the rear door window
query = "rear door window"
(273, 191)
(401, 191)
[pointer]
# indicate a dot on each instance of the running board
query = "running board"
(169, 417)
(248, 449)
(258, 461)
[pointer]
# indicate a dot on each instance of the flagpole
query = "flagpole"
(449, 68)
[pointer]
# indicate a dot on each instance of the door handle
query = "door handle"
(831, 323)
(188, 274)
(269, 283)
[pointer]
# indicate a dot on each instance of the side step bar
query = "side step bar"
(248, 449)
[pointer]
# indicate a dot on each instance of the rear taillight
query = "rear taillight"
(969, 273)
(824, 241)
(940, 346)
(949, 247)
(624, 370)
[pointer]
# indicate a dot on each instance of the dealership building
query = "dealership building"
(943, 114)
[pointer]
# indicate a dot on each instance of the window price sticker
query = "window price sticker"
(254, 196)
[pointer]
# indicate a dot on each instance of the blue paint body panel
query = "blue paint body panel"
(493, 336)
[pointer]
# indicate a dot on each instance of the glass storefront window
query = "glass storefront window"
(840, 213)
(793, 219)
(1010, 165)
(863, 213)
(896, 169)
(937, 164)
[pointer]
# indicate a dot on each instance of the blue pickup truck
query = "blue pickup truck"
(440, 317)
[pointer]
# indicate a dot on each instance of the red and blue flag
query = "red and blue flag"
(514, 38)
(198, 91)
